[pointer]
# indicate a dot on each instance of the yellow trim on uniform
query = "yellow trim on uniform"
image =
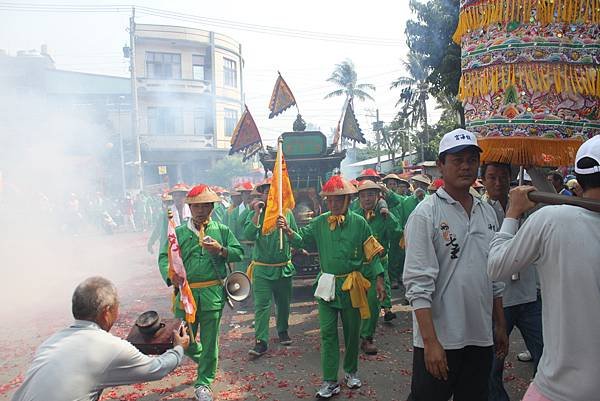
(204, 284)
(357, 285)
(335, 221)
(372, 247)
(254, 263)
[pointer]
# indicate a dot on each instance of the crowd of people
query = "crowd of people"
(475, 259)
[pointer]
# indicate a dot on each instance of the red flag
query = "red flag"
(245, 137)
(282, 97)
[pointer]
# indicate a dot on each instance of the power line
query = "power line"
(273, 30)
(262, 29)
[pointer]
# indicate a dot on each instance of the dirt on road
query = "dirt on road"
(284, 373)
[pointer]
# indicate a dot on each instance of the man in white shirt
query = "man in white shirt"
(569, 369)
(520, 298)
(78, 362)
(453, 299)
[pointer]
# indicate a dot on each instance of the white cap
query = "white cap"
(457, 140)
(591, 149)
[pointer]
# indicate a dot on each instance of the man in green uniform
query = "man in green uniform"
(396, 254)
(233, 213)
(220, 210)
(248, 195)
(181, 211)
(271, 272)
(384, 230)
(349, 256)
(206, 246)
(159, 233)
(388, 201)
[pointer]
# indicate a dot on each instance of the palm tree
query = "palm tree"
(344, 75)
(415, 92)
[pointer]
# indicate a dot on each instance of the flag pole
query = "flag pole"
(280, 184)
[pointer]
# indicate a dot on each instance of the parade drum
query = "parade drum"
(153, 335)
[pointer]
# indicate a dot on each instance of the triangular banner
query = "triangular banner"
(245, 136)
(282, 97)
(251, 150)
(350, 127)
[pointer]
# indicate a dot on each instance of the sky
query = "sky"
(92, 42)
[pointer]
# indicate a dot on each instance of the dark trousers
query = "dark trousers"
(528, 319)
(469, 372)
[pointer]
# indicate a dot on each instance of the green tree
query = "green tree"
(366, 152)
(344, 75)
(414, 95)
(225, 170)
(430, 35)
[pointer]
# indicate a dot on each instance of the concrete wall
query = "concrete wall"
(185, 93)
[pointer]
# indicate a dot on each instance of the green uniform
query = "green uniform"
(341, 252)
(270, 281)
(159, 232)
(231, 219)
(218, 213)
(384, 230)
(246, 243)
(402, 210)
(201, 266)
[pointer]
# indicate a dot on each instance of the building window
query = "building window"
(229, 73)
(163, 65)
(202, 122)
(165, 121)
(198, 67)
(231, 118)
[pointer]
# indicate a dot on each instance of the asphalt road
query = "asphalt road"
(285, 373)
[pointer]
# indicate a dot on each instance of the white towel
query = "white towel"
(326, 287)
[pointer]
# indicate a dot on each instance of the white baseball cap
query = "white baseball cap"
(591, 149)
(457, 140)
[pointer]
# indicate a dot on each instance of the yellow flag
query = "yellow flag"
(280, 184)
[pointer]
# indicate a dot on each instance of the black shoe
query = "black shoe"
(284, 338)
(260, 348)
(389, 316)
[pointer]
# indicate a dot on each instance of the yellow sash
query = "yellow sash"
(204, 284)
(254, 263)
(358, 286)
(335, 221)
(369, 215)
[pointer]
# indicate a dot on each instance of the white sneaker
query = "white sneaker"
(203, 393)
(352, 380)
(328, 389)
(524, 356)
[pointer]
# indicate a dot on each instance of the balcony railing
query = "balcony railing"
(177, 142)
(174, 85)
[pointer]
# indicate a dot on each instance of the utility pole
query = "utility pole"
(121, 152)
(377, 127)
(134, 103)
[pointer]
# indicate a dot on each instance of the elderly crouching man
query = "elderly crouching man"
(349, 256)
(206, 247)
(445, 274)
(78, 362)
